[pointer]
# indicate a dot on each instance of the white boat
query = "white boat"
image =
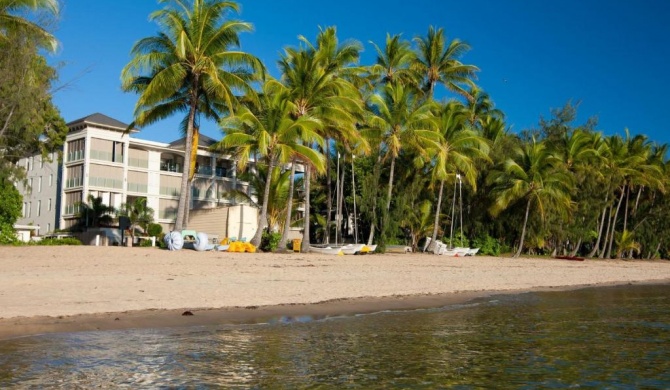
(472, 252)
(352, 249)
(369, 249)
(326, 250)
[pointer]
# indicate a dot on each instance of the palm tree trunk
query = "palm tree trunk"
(180, 223)
(600, 233)
(616, 213)
(436, 223)
(574, 252)
(637, 200)
(374, 204)
(523, 231)
(329, 199)
(390, 190)
(625, 215)
(263, 220)
(289, 206)
(601, 252)
(305, 234)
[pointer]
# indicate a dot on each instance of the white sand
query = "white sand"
(54, 281)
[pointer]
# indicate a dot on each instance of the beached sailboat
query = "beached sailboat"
(326, 250)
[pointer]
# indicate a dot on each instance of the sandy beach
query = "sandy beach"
(60, 289)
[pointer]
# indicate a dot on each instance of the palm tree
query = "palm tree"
(534, 175)
(95, 213)
(139, 213)
(319, 85)
(190, 68)
(439, 62)
(271, 134)
(400, 120)
(460, 148)
(10, 22)
(393, 62)
(480, 107)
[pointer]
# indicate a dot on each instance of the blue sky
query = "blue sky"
(611, 56)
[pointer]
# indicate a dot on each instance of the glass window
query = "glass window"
(51, 180)
(39, 184)
(49, 205)
(39, 208)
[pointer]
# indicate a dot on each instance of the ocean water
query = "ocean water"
(608, 337)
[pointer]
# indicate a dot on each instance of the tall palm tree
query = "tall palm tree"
(438, 61)
(480, 107)
(535, 176)
(319, 85)
(190, 67)
(400, 120)
(11, 22)
(460, 148)
(393, 62)
(272, 134)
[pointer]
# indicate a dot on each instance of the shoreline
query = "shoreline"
(71, 289)
(19, 327)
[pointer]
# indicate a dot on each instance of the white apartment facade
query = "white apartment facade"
(101, 159)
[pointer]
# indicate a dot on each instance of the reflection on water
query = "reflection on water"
(606, 337)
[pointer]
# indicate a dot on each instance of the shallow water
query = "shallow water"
(613, 337)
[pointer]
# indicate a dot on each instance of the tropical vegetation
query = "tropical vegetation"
(410, 141)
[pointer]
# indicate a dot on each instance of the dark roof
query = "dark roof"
(203, 142)
(100, 120)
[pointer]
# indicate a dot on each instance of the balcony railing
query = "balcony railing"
(171, 168)
(138, 162)
(105, 182)
(138, 187)
(75, 155)
(74, 182)
(204, 170)
(72, 209)
(167, 214)
(106, 156)
(170, 191)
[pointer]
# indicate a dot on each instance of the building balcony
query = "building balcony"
(168, 167)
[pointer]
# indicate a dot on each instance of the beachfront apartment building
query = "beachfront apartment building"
(40, 191)
(102, 159)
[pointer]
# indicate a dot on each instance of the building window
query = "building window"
(48, 227)
(31, 163)
(49, 205)
(41, 162)
(30, 183)
(30, 206)
(25, 209)
(39, 184)
(51, 180)
(39, 208)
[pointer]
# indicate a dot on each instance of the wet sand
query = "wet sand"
(64, 289)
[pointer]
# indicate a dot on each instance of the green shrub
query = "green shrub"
(160, 241)
(7, 234)
(458, 241)
(145, 243)
(270, 241)
(487, 245)
(154, 229)
(59, 241)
